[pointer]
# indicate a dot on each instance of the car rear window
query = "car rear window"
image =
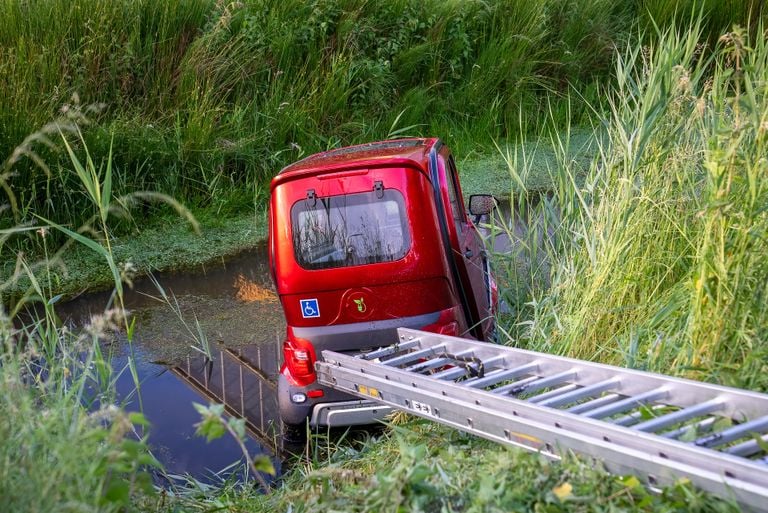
(350, 229)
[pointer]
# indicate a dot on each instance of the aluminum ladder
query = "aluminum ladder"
(654, 426)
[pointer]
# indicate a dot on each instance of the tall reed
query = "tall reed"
(207, 98)
(656, 257)
(64, 442)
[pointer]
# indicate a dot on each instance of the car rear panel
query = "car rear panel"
(368, 307)
(414, 283)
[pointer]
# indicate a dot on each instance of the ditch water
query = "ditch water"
(229, 308)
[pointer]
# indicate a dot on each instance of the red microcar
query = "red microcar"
(363, 240)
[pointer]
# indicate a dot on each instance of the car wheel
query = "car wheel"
(294, 433)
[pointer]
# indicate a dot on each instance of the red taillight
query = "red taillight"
(299, 358)
(450, 329)
(447, 323)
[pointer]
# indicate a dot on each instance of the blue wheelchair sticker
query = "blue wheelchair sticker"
(309, 308)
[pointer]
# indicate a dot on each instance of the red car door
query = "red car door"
(470, 256)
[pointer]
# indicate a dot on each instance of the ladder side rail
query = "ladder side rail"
(683, 392)
(550, 431)
(562, 422)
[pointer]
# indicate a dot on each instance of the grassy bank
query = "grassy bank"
(650, 253)
(658, 259)
(75, 268)
(423, 467)
(206, 100)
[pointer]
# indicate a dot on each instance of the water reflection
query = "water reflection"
(233, 308)
(244, 380)
(167, 402)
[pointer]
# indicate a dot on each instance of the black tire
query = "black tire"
(294, 433)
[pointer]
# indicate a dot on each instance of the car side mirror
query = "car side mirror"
(481, 204)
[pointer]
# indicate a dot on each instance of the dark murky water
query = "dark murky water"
(229, 310)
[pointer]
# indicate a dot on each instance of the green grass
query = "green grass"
(419, 466)
(655, 258)
(648, 250)
(207, 100)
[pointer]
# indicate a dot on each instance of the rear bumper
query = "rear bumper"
(348, 413)
(334, 408)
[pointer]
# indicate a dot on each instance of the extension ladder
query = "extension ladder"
(657, 427)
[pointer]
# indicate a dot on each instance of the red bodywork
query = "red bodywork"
(439, 278)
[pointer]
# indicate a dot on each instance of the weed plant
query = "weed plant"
(64, 445)
(656, 257)
(64, 442)
(207, 100)
(652, 256)
(56, 452)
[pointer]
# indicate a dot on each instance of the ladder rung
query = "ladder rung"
(500, 375)
(747, 448)
(386, 351)
(756, 426)
(459, 371)
(594, 403)
(429, 364)
(553, 393)
(635, 416)
(653, 425)
(506, 388)
(626, 404)
(578, 394)
(436, 362)
(409, 357)
(703, 425)
(543, 382)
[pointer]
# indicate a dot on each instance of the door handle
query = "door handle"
(468, 253)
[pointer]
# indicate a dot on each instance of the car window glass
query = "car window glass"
(350, 229)
(457, 211)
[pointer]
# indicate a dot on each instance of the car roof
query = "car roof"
(412, 152)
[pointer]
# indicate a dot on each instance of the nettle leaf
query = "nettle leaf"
(138, 419)
(213, 409)
(212, 425)
(118, 492)
(211, 428)
(238, 426)
(262, 463)
(147, 460)
(132, 448)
